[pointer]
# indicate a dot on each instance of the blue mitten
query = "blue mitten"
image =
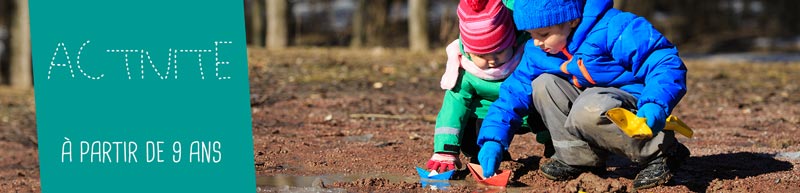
(489, 157)
(656, 117)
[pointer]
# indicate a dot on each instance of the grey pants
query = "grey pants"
(582, 134)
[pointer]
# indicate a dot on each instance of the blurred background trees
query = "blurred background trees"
(709, 26)
(700, 27)
(15, 47)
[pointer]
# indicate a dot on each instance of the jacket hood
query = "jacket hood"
(593, 10)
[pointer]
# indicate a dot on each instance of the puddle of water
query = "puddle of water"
(788, 155)
(311, 181)
(299, 190)
(286, 183)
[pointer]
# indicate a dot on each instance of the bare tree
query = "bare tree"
(277, 24)
(376, 25)
(257, 22)
(4, 9)
(448, 25)
(20, 53)
(357, 39)
(418, 25)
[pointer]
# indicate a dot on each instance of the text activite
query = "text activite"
(130, 57)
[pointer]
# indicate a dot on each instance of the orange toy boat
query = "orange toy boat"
(496, 180)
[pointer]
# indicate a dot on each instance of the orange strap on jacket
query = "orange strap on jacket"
(585, 72)
(569, 58)
(575, 81)
(581, 66)
(566, 53)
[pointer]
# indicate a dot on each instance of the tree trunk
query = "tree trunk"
(20, 53)
(418, 25)
(448, 26)
(375, 26)
(277, 25)
(257, 23)
(357, 39)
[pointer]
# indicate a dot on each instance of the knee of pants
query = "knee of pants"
(590, 107)
(590, 113)
(544, 83)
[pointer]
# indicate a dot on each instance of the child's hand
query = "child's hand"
(489, 157)
(443, 162)
(655, 115)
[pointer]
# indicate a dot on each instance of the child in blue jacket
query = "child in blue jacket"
(488, 49)
(584, 59)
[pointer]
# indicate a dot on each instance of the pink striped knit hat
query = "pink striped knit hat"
(486, 26)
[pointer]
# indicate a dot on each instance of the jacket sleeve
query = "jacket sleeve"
(513, 103)
(652, 58)
(452, 116)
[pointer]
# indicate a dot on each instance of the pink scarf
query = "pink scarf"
(455, 60)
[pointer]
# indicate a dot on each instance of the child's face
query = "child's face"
(553, 39)
(492, 60)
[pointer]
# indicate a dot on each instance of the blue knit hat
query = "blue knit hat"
(534, 14)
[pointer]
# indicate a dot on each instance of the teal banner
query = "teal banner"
(142, 96)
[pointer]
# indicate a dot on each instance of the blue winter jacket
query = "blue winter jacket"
(609, 48)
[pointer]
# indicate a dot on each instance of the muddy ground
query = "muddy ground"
(335, 120)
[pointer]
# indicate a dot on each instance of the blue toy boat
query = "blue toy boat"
(424, 174)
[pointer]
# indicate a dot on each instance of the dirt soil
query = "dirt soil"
(369, 113)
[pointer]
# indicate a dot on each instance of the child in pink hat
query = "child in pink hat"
(485, 54)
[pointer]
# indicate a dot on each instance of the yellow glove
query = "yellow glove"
(636, 127)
